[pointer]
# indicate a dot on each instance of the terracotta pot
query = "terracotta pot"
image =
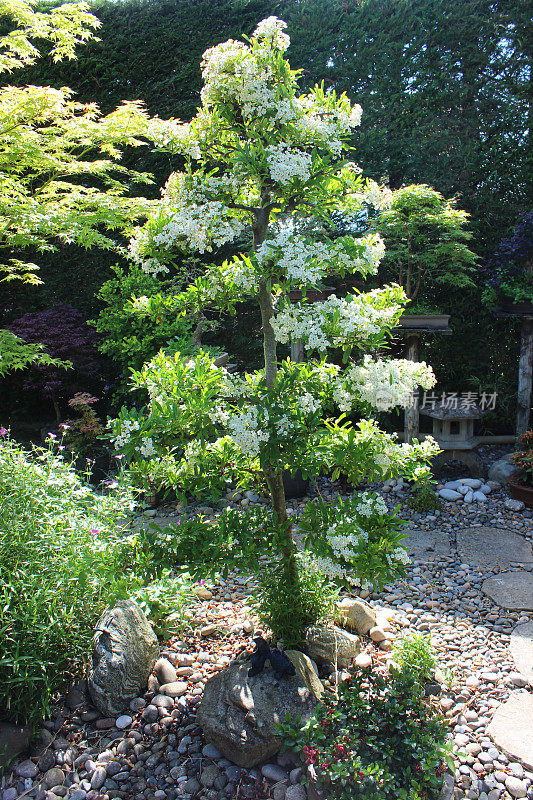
(521, 492)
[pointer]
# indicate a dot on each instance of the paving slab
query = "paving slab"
(489, 548)
(522, 650)
(426, 544)
(511, 728)
(511, 590)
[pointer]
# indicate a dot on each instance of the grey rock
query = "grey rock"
(164, 671)
(209, 751)
(489, 548)
(296, 792)
(502, 470)
(480, 496)
(124, 651)
(332, 645)
(522, 651)
(209, 775)
(449, 494)
(54, 777)
(14, 739)
(192, 786)
(514, 505)
(239, 713)
(515, 786)
(26, 769)
(274, 773)
(356, 615)
(307, 672)
(98, 778)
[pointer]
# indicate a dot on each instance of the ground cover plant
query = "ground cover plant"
(266, 164)
(377, 740)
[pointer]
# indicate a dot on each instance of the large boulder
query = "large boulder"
(331, 645)
(356, 615)
(124, 652)
(502, 470)
(239, 714)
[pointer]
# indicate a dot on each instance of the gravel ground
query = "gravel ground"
(155, 751)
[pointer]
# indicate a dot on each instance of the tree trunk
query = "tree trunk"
(525, 367)
(274, 479)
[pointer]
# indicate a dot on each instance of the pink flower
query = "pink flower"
(3, 431)
(94, 531)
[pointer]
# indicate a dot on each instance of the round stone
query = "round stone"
(124, 721)
(26, 769)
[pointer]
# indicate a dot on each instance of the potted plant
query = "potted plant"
(425, 243)
(521, 483)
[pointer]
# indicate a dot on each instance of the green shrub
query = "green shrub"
(377, 741)
(62, 561)
(288, 610)
(414, 654)
(128, 339)
(424, 498)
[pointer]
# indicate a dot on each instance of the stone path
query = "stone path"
(512, 729)
(161, 754)
(511, 590)
(522, 650)
(426, 544)
(488, 548)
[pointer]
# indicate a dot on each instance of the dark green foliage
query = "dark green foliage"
(59, 554)
(286, 609)
(423, 498)
(130, 340)
(444, 87)
(377, 741)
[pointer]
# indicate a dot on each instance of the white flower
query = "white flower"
(272, 29)
(286, 163)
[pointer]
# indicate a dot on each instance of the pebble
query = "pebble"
(160, 754)
(26, 769)
(274, 773)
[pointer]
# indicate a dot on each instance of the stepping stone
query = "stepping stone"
(492, 548)
(522, 650)
(511, 590)
(426, 544)
(511, 728)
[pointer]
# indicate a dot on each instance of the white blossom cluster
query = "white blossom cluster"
(316, 123)
(175, 135)
(244, 429)
(146, 448)
(335, 321)
(271, 29)
(383, 384)
(368, 505)
(286, 163)
(238, 276)
(127, 427)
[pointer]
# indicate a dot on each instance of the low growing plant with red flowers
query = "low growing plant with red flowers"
(379, 740)
(523, 459)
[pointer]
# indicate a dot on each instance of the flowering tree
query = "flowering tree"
(259, 158)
